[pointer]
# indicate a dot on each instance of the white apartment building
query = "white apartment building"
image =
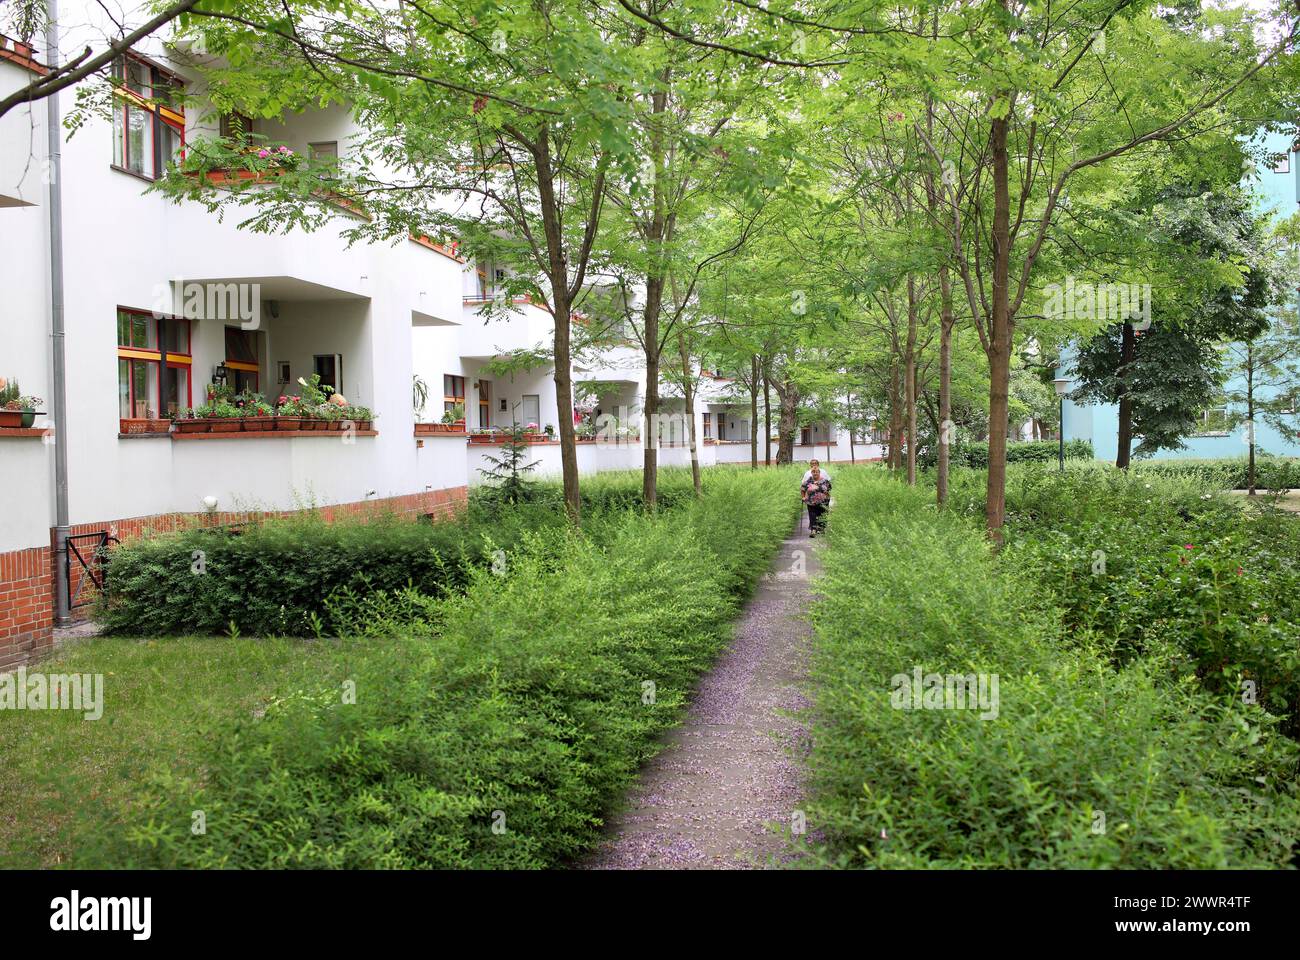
(160, 300)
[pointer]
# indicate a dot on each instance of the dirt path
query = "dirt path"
(730, 768)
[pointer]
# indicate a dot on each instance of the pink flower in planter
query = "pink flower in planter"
(263, 154)
(1189, 546)
(285, 150)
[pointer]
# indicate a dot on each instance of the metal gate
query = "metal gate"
(84, 573)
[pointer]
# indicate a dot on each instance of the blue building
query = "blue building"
(1278, 191)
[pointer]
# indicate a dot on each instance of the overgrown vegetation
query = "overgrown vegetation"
(491, 728)
(1122, 738)
(275, 577)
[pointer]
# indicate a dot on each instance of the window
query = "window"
(329, 367)
(326, 151)
(236, 126)
(148, 118)
(241, 359)
(1213, 422)
(453, 392)
(1283, 165)
(153, 364)
(708, 425)
(485, 403)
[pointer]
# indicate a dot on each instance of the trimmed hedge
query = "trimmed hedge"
(975, 453)
(1087, 764)
(1271, 473)
(523, 703)
(275, 577)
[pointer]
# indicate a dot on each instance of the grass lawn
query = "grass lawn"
(159, 696)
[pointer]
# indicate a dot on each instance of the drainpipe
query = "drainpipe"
(62, 613)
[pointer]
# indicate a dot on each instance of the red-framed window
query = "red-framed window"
(148, 117)
(153, 364)
(243, 364)
(453, 392)
(708, 425)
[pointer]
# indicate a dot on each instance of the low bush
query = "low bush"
(1271, 473)
(975, 453)
(494, 727)
(1087, 763)
(274, 578)
(1147, 562)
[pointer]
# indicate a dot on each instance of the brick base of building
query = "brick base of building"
(27, 576)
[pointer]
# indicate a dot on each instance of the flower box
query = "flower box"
(361, 424)
(483, 438)
(253, 424)
(219, 178)
(133, 425)
(226, 424)
(193, 426)
(288, 423)
(17, 419)
(428, 429)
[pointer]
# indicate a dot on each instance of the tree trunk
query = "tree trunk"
(1127, 353)
(650, 433)
(767, 413)
(909, 384)
(945, 385)
(1000, 331)
(688, 399)
(895, 418)
(753, 412)
(1250, 417)
(853, 454)
(788, 396)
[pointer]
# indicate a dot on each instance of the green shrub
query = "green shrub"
(975, 453)
(1181, 777)
(274, 577)
(521, 702)
(1271, 473)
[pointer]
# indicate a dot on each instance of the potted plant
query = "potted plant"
(188, 421)
(222, 416)
(313, 396)
(16, 410)
(362, 417)
(334, 411)
(549, 430)
(483, 435)
(144, 422)
(288, 413)
(257, 415)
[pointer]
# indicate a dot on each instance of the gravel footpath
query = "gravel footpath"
(727, 779)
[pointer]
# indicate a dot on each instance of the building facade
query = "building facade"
(1278, 190)
(161, 300)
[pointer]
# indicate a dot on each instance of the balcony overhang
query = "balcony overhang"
(282, 288)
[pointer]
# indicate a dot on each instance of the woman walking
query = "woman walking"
(816, 492)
